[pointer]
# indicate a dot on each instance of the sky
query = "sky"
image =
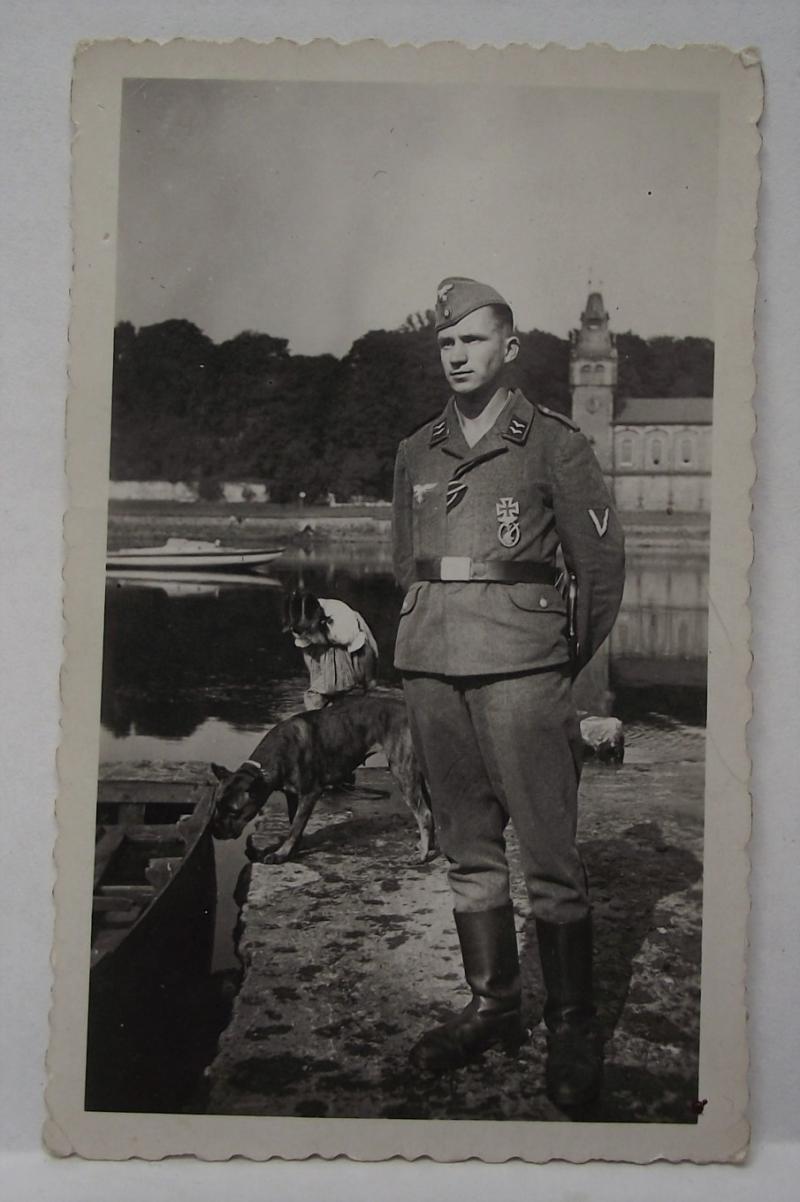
(318, 211)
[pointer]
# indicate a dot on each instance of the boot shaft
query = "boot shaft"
(565, 951)
(489, 952)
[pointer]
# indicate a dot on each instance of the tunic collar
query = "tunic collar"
(513, 425)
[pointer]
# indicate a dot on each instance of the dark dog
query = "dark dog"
(307, 753)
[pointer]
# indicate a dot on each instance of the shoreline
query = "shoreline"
(140, 522)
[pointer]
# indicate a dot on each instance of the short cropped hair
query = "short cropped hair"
(504, 318)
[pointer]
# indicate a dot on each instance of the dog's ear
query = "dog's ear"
(221, 772)
(292, 609)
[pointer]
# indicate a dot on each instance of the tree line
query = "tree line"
(186, 408)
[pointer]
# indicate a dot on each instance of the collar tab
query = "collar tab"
(439, 432)
(518, 430)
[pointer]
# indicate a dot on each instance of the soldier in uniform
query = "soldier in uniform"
(485, 496)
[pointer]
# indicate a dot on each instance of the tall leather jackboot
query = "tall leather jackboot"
(491, 966)
(574, 1043)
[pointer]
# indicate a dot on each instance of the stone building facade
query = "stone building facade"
(655, 452)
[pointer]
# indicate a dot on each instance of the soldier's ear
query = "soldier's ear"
(512, 348)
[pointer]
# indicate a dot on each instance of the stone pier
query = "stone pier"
(350, 952)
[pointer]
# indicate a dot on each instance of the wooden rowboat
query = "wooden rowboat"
(153, 915)
(154, 864)
(191, 554)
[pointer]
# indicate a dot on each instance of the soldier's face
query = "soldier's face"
(474, 352)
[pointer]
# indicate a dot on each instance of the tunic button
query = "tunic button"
(543, 602)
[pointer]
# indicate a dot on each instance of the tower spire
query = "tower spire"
(593, 377)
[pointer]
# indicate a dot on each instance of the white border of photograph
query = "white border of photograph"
(721, 1132)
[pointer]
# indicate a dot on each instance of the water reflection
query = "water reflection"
(661, 634)
(171, 663)
(185, 672)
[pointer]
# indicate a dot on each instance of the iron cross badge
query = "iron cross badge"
(507, 510)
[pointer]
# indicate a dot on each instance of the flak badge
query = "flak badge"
(507, 510)
(600, 523)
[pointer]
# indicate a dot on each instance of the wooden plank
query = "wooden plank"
(187, 772)
(161, 870)
(104, 849)
(167, 832)
(102, 904)
(136, 893)
(151, 792)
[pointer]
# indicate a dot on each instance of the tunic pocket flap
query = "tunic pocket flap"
(537, 598)
(410, 599)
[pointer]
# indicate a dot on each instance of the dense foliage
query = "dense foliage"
(185, 408)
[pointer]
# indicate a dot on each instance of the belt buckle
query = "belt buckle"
(455, 567)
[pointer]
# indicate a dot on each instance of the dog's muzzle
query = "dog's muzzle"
(230, 819)
(237, 806)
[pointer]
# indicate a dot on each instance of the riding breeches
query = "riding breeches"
(494, 748)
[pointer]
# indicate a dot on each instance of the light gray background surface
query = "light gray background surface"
(36, 48)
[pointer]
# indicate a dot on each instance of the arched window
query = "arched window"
(657, 452)
(599, 372)
(687, 449)
(586, 370)
(626, 452)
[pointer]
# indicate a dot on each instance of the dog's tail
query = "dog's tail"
(426, 797)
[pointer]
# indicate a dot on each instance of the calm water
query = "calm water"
(195, 671)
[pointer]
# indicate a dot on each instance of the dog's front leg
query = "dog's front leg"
(304, 810)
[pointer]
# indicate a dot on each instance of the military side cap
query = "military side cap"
(457, 296)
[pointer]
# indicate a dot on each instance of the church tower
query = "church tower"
(593, 378)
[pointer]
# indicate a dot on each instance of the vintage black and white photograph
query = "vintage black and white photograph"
(413, 477)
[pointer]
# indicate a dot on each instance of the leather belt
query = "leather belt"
(502, 571)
